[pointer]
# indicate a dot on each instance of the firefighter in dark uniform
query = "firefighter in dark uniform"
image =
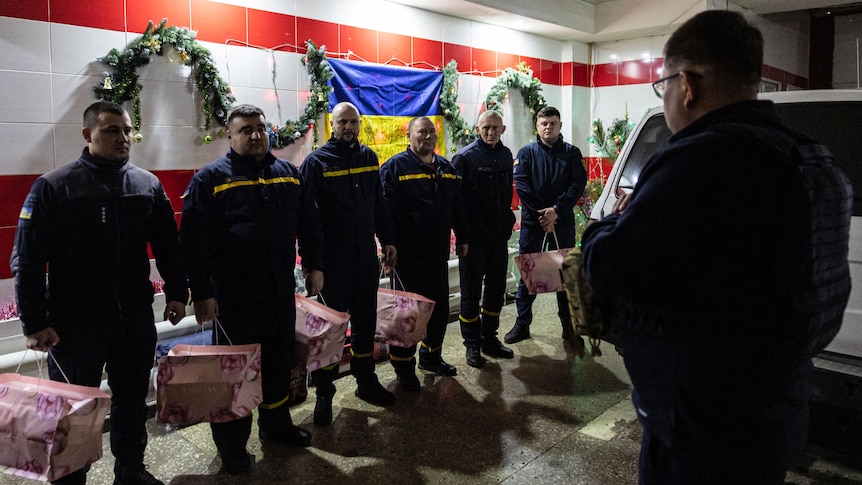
(343, 177)
(90, 222)
(424, 194)
(242, 216)
(485, 167)
(550, 178)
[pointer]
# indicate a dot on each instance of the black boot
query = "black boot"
(276, 425)
(230, 439)
(323, 382)
(323, 405)
(432, 361)
(491, 345)
(406, 373)
(518, 333)
(368, 388)
(474, 358)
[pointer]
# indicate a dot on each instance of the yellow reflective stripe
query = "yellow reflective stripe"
(428, 176)
(415, 176)
(274, 405)
(490, 314)
(360, 356)
(429, 347)
(395, 358)
(330, 366)
(242, 183)
(350, 171)
(467, 320)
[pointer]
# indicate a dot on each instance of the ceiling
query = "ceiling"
(603, 20)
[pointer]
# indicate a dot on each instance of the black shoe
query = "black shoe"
(408, 380)
(323, 410)
(438, 367)
(518, 333)
(497, 350)
(290, 435)
(236, 465)
(474, 358)
(135, 476)
(373, 393)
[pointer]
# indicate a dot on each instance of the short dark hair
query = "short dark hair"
(547, 112)
(91, 114)
(418, 118)
(245, 111)
(722, 41)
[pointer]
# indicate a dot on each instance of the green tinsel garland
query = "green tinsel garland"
(319, 74)
(608, 143)
(122, 84)
(521, 79)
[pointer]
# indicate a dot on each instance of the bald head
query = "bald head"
(345, 123)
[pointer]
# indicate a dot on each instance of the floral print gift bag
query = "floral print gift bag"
(322, 330)
(402, 317)
(213, 383)
(49, 429)
(542, 272)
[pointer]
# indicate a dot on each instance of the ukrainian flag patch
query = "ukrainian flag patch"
(26, 213)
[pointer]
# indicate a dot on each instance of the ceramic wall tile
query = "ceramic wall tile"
(26, 148)
(25, 97)
(75, 50)
(70, 95)
(24, 45)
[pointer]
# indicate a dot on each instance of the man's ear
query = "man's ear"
(88, 135)
(690, 86)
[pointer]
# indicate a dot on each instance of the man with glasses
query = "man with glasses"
(704, 266)
(550, 178)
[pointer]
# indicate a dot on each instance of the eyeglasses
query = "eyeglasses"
(659, 85)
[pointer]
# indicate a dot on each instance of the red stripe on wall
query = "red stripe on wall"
(108, 14)
(25, 9)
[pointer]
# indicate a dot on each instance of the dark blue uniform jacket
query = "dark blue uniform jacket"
(345, 182)
(91, 221)
(486, 184)
(241, 221)
(426, 205)
(549, 177)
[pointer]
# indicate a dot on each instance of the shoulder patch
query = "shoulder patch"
(26, 213)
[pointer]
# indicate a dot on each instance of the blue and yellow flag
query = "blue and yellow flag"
(388, 98)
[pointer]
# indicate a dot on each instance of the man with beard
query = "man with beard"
(343, 177)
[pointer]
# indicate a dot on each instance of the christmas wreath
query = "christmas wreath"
(521, 79)
(178, 44)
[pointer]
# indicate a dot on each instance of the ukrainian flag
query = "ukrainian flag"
(388, 98)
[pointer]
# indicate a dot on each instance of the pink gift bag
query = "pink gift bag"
(49, 429)
(213, 383)
(402, 317)
(323, 331)
(542, 272)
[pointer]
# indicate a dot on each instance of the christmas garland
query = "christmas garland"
(608, 143)
(319, 74)
(123, 85)
(521, 79)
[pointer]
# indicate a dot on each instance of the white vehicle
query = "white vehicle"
(830, 117)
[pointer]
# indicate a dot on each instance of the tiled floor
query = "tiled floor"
(545, 417)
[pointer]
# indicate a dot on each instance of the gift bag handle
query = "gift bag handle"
(392, 272)
(545, 239)
(39, 365)
(217, 322)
